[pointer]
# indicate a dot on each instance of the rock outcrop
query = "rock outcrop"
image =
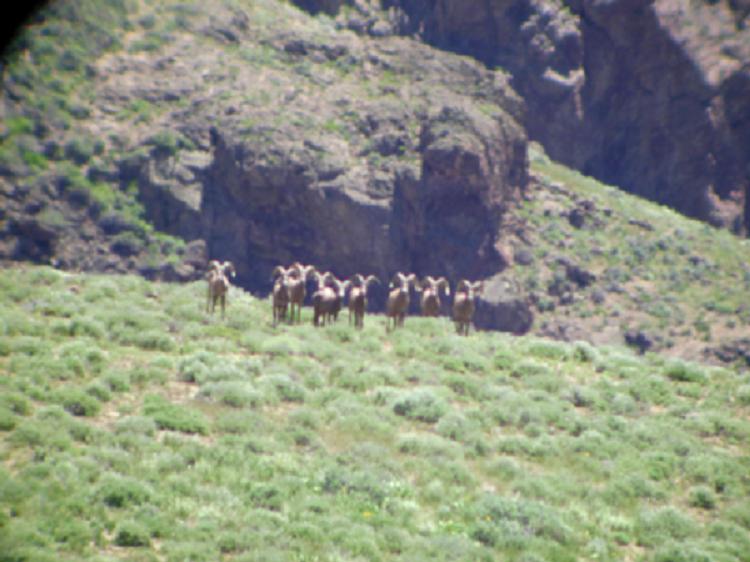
(651, 96)
(265, 205)
(278, 144)
(503, 306)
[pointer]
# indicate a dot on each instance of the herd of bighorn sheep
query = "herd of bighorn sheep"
(289, 292)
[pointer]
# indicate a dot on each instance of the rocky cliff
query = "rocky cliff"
(649, 95)
(373, 137)
(273, 137)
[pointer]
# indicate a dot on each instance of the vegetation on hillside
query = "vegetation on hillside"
(135, 427)
(639, 266)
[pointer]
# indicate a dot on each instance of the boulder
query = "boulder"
(502, 307)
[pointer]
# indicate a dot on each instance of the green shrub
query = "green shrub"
(285, 387)
(585, 352)
(122, 491)
(167, 143)
(548, 349)
(656, 526)
(75, 534)
(529, 368)
(127, 243)
(8, 419)
(117, 381)
(16, 403)
(35, 160)
(130, 533)
(100, 391)
(743, 394)
(430, 446)
(455, 426)
(238, 422)
(681, 552)
(232, 393)
(507, 520)
(78, 402)
(421, 404)
(713, 470)
(173, 416)
(283, 344)
(19, 125)
(684, 372)
(702, 497)
(79, 150)
(143, 375)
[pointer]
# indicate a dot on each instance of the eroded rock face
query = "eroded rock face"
(652, 96)
(472, 166)
(292, 200)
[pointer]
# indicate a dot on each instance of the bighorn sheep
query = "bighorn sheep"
(327, 298)
(280, 294)
(358, 298)
(463, 304)
(398, 299)
(218, 284)
(299, 274)
(340, 288)
(430, 289)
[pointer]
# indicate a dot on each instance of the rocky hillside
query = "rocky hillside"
(368, 137)
(268, 134)
(651, 96)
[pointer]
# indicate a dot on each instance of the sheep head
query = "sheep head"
(434, 285)
(442, 283)
(322, 280)
(402, 281)
(228, 266)
(340, 287)
(302, 271)
(469, 288)
(370, 279)
(279, 271)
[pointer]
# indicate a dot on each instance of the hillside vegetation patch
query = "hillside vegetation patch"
(518, 448)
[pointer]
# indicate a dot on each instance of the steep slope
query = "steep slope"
(601, 265)
(167, 134)
(271, 136)
(135, 427)
(649, 96)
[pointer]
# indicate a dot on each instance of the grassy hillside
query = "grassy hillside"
(134, 427)
(679, 280)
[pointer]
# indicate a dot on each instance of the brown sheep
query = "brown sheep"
(398, 299)
(280, 293)
(218, 284)
(430, 289)
(463, 304)
(358, 298)
(299, 274)
(324, 299)
(339, 288)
